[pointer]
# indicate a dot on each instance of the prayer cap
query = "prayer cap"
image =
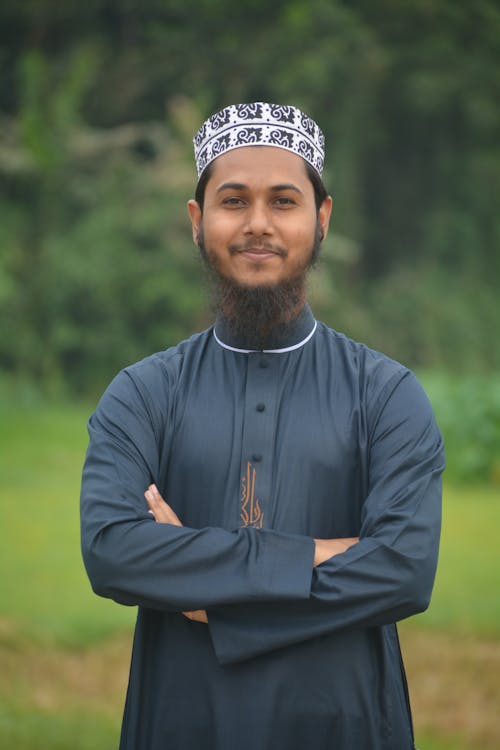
(259, 124)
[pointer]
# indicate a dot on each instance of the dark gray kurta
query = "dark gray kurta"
(258, 453)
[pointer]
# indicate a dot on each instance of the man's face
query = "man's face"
(259, 217)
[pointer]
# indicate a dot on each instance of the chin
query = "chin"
(256, 283)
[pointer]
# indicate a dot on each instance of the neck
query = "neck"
(254, 314)
(288, 333)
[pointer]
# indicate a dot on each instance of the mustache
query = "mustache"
(267, 247)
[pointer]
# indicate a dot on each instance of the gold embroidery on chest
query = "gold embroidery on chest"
(250, 511)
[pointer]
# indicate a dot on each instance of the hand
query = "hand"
(159, 508)
(163, 513)
(327, 548)
(199, 615)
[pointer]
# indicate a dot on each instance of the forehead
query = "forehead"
(259, 165)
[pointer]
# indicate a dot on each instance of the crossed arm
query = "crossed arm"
(324, 549)
(254, 582)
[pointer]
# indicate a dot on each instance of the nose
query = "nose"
(258, 219)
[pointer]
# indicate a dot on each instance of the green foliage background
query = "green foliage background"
(98, 105)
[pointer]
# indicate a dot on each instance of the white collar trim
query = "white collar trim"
(268, 351)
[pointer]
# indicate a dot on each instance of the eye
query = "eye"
(233, 202)
(284, 201)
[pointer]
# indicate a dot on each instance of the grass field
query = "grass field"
(64, 652)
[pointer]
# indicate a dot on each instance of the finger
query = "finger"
(198, 615)
(154, 491)
(153, 506)
(149, 498)
(159, 507)
(152, 495)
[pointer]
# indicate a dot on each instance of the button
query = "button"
(260, 407)
(263, 363)
(257, 457)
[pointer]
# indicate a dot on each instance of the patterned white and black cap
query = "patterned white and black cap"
(259, 124)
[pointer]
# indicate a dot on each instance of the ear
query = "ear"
(194, 211)
(324, 213)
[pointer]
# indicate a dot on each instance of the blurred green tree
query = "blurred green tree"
(98, 103)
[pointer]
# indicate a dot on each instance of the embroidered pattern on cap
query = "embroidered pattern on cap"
(259, 124)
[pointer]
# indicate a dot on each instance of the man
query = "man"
(267, 492)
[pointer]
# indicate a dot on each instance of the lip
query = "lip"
(258, 253)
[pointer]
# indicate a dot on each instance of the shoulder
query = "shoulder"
(151, 382)
(358, 358)
(379, 380)
(164, 367)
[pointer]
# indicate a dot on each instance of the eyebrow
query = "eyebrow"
(231, 186)
(241, 186)
(286, 186)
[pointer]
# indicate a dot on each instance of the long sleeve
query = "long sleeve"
(134, 560)
(389, 574)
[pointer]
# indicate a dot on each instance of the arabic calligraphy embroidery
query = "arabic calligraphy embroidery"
(250, 512)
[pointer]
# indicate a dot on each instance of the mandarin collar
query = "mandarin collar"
(284, 338)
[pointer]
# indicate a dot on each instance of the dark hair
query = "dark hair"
(199, 194)
(320, 191)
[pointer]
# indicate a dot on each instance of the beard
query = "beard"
(255, 314)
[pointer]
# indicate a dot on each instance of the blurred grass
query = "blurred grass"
(64, 652)
(465, 598)
(46, 590)
(36, 730)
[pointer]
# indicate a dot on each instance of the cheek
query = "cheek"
(303, 237)
(221, 224)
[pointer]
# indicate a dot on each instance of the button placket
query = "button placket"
(258, 438)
